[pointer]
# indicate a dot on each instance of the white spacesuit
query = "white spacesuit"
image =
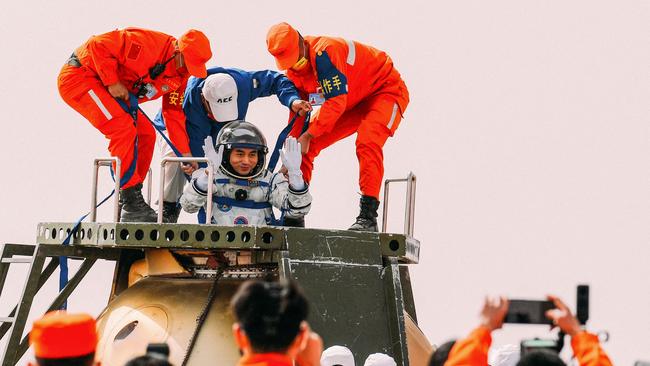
(244, 191)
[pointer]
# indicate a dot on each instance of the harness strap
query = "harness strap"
(160, 130)
(273, 161)
(242, 182)
(243, 204)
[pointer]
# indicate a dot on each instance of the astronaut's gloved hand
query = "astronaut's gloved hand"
(188, 205)
(214, 156)
(291, 159)
(201, 179)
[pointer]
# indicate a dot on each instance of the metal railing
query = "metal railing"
(161, 193)
(118, 175)
(409, 211)
(149, 181)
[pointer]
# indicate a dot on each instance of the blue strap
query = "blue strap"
(275, 222)
(160, 130)
(244, 204)
(242, 182)
(63, 260)
(273, 161)
(132, 109)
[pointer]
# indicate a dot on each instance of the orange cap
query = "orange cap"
(195, 47)
(62, 335)
(282, 42)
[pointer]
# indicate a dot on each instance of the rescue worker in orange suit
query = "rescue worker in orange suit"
(149, 64)
(271, 326)
(363, 93)
(60, 338)
(473, 350)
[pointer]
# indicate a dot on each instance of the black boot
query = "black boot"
(134, 208)
(294, 222)
(171, 210)
(367, 219)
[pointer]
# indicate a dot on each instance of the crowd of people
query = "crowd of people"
(271, 329)
(356, 86)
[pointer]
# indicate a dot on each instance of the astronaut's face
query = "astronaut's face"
(243, 160)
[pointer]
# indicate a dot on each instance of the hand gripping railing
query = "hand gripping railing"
(118, 175)
(409, 214)
(161, 193)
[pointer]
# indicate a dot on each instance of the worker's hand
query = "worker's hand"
(118, 90)
(562, 317)
(304, 141)
(213, 155)
(494, 312)
(291, 159)
(301, 107)
(189, 168)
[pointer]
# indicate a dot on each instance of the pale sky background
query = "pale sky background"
(527, 130)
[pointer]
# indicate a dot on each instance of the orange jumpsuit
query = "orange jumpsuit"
(364, 94)
(473, 350)
(125, 56)
(266, 359)
(588, 351)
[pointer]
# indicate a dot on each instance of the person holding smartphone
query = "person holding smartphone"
(473, 350)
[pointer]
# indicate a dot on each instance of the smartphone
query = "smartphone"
(528, 312)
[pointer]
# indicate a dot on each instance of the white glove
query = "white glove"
(201, 179)
(291, 159)
(188, 205)
(213, 155)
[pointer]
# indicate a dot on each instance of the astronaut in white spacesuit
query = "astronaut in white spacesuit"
(244, 191)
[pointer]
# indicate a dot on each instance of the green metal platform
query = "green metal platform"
(358, 283)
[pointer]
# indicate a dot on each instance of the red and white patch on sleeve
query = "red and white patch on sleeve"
(134, 51)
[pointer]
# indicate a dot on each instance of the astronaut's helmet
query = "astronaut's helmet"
(241, 134)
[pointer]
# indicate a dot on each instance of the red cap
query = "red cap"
(195, 47)
(62, 335)
(282, 42)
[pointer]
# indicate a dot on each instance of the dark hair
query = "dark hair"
(270, 313)
(439, 357)
(149, 360)
(541, 358)
(85, 360)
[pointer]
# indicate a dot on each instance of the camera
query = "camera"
(145, 90)
(534, 312)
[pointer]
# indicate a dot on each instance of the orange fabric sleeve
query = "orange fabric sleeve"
(472, 350)
(588, 351)
(172, 110)
(104, 49)
(334, 106)
(328, 114)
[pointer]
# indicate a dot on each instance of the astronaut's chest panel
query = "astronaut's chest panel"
(233, 215)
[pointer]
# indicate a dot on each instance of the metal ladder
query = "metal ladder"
(15, 322)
